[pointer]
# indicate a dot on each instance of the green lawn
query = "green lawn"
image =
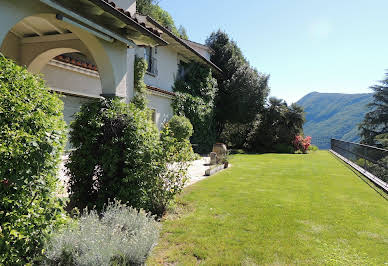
(277, 209)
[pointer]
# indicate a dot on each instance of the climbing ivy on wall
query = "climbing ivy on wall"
(140, 98)
(194, 98)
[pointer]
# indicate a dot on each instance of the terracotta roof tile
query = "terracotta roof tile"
(73, 61)
(160, 90)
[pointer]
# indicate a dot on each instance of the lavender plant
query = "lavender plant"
(121, 235)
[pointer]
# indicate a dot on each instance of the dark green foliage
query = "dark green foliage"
(140, 99)
(379, 169)
(119, 236)
(182, 33)
(234, 135)
(242, 89)
(195, 94)
(118, 154)
(152, 9)
(180, 127)
(176, 145)
(32, 139)
(376, 120)
(279, 124)
(334, 115)
(283, 148)
(382, 140)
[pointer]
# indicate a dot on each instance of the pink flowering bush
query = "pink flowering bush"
(302, 144)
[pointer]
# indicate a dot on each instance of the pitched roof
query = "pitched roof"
(171, 38)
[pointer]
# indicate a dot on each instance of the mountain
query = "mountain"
(333, 115)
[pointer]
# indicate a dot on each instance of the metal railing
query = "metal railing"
(322, 142)
(372, 159)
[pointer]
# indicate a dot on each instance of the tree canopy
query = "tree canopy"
(277, 125)
(152, 9)
(375, 122)
(242, 89)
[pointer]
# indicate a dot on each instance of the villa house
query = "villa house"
(86, 49)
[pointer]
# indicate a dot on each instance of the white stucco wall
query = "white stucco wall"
(78, 83)
(202, 49)
(163, 108)
(131, 52)
(72, 105)
(167, 65)
(71, 81)
(204, 52)
(127, 5)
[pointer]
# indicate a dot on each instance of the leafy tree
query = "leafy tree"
(152, 9)
(32, 140)
(182, 32)
(382, 139)
(376, 121)
(242, 89)
(278, 124)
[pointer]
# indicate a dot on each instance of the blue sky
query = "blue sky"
(305, 45)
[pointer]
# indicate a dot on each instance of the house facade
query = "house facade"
(85, 49)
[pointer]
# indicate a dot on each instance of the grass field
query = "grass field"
(277, 209)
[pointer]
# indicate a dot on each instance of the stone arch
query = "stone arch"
(110, 58)
(42, 59)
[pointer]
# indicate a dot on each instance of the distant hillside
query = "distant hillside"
(334, 115)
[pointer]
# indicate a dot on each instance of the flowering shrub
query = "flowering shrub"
(302, 144)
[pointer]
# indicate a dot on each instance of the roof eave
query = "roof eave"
(179, 40)
(104, 5)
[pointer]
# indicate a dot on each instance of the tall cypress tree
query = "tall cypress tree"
(375, 122)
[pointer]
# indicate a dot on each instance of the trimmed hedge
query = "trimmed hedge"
(180, 127)
(32, 139)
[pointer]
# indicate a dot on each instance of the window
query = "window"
(151, 61)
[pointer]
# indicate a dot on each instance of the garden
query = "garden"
(291, 204)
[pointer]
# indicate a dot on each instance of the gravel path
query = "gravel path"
(197, 170)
